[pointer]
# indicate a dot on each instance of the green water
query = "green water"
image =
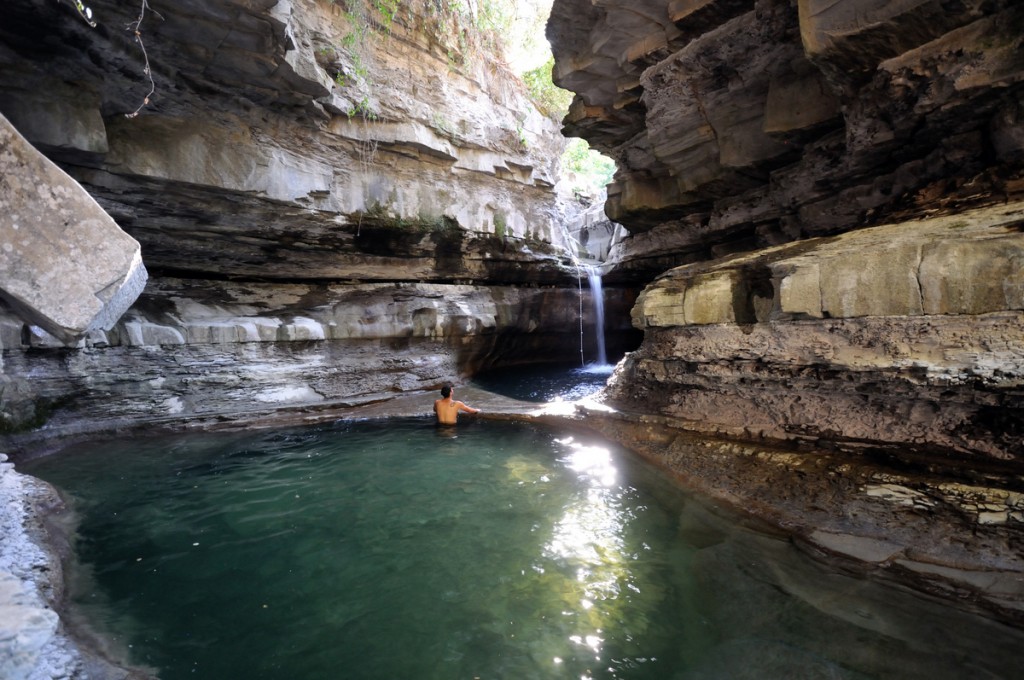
(496, 551)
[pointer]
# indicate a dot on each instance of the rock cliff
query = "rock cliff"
(306, 175)
(741, 124)
(828, 196)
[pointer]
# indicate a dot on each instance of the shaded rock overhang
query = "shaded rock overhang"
(741, 124)
(824, 200)
(272, 145)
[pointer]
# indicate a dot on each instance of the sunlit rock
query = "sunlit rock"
(66, 264)
(967, 264)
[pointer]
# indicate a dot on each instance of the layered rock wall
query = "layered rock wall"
(310, 181)
(276, 131)
(827, 196)
(197, 354)
(899, 336)
(740, 124)
(744, 125)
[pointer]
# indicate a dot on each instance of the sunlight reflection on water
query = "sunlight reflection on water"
(390, 550)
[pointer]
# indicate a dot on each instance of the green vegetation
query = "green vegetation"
(387, 10)
(521, 136)
(379, 218)
(464, 28)
(550, 99)
(593, 170)
(362, 109)
(442, 124)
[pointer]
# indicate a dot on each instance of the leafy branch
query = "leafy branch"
(84, 12)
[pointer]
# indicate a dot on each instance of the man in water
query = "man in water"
(447, 409)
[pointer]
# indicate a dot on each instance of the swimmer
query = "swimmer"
(447, 409)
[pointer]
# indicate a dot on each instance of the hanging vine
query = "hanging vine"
(135, 27)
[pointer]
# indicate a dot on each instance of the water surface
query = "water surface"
(544, 383)
(401, 550)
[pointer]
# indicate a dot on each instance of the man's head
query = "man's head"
(446, 391)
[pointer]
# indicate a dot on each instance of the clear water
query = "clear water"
(496, 551)
(545, 383)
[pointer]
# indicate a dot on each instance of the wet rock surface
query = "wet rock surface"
(826, 198)
(36, 643)
(192, 354)
(333, 238)
(302, 173)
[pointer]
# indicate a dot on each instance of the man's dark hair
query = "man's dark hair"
(446, 391)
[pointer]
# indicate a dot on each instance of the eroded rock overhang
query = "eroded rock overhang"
(293, 140)
(740, 124)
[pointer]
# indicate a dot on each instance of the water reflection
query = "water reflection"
(501, 553)
(542, 384)
(589, 538)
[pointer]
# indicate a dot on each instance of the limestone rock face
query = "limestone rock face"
(281, 137)
(827, 197)
(63, 261)
(33, 644)
(740, 124)
(204, 353)
(796, 158)
(595, 233)
(371, 178)
(905, 336)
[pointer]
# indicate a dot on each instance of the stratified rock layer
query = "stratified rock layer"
(740, 124)
(281, 137)
(827, 196)
(903, 337)
(743, 125)
(306, 148)
(204, 353)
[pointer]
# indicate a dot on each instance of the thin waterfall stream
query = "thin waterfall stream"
(600, 364)
(597, 293)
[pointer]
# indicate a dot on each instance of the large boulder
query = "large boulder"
(65, 265)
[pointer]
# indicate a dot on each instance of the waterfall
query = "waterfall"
(594, 276)
(579, 282)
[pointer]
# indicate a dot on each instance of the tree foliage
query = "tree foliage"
(552, 100)
(593, 171)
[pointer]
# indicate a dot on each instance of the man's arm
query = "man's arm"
(468, 409)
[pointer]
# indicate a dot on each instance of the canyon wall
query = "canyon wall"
(741, 127)
(309, 181)
(829, 198)
(741, 124)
